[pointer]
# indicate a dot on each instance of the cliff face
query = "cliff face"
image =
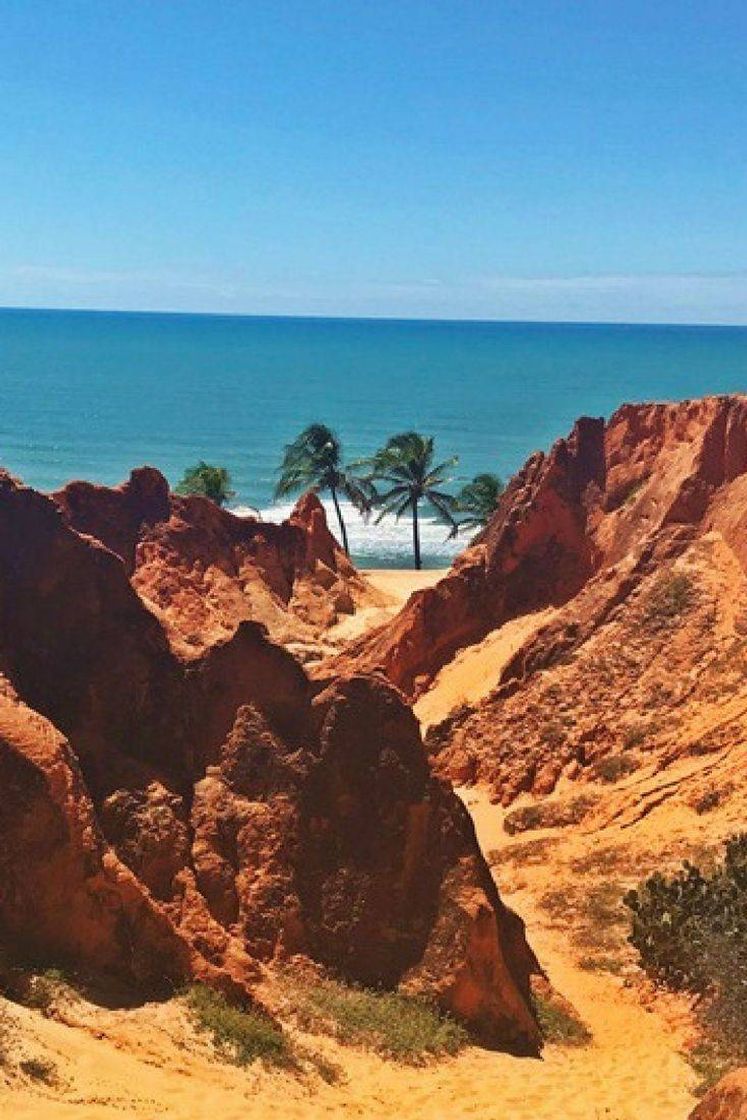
(204, 570)
(597, 497)
(177, 815)
(630, 537)
(536, 550)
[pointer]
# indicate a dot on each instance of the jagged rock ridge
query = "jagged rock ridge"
(204, 569)
(175, 814)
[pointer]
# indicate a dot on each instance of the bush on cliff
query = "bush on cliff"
(690, 930)
(240, 1036)
(670, 597)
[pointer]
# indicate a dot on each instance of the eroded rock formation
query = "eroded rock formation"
(631, 535)
(598, 498)
(199, 813)
(204, 570)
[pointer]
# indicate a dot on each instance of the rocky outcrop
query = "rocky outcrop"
(391, 875)
(630, 536)
(204, 570)
(65, 896)
(203, 815)
(602, 497)
(726, 1101)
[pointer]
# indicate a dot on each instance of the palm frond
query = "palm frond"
(444, 509)
(311, 460)
(396, 507)
(436, 473)
(361, 493)
(480, 498)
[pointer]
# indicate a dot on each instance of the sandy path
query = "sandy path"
(396, 586)
(475, 670)
(634, 1069)
(627, 1074)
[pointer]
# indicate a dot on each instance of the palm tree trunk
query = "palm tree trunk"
(341, 523)
(416, 534)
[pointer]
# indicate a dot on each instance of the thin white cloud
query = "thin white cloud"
(162, 282)
(691, 297)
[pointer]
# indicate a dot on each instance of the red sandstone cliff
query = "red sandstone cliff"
(631, 536)
(179, 816)
(600, 497)
(205, 570)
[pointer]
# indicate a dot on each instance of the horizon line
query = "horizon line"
(176, 312)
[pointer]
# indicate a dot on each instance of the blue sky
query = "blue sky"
(462, 159)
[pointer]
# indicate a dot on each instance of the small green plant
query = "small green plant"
(614, 767)
(397, 1026)
(527, 853)
(669, 598)
(711, 1063)
(45, 987)
(710, 799)
(602, 904)
(593, 963)
(39, 1069)
(558, 1022)
(548, 814)
(525, 819)
(634, 736)
(240, 1036)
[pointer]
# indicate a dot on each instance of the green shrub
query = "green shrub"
(614, 767)
(45, 987)
(558, 1022)
(548, 814)
(710, 1061)
(241, 1036)
(395, 1025)
(39, 1069)
(690, 930)
(634, 736)
(710, 799)
(593, 963)
(669, 598)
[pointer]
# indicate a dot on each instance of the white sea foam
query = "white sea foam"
(388, 544)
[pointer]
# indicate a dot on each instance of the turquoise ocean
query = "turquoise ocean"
(93, 394)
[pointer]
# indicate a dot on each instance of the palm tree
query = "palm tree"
(479, 499)
(209, 481)
(405, 464)
(314, 462)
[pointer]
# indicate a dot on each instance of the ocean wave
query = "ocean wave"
(388, 544)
